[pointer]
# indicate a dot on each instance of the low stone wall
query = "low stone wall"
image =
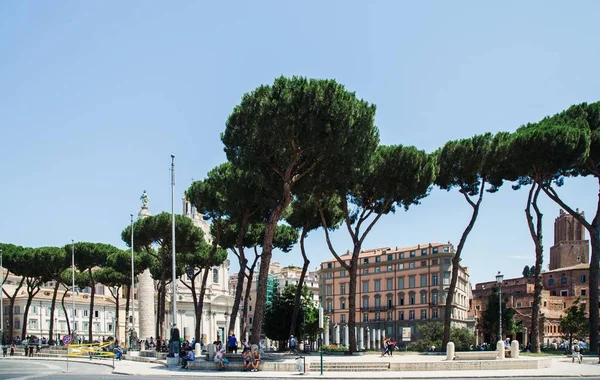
(473, 365)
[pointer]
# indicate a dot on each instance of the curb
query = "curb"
(63, 360)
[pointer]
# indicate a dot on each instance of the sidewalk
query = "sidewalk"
(561, 367)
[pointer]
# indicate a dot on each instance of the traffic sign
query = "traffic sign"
(67, 339)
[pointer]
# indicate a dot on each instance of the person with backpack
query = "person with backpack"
(293, 344)
(576, 352)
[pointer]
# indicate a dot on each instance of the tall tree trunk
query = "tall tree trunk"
(159, 292)
(238, 293)
(456, 263)
(300, 281)
(11, 305)
(192, 288)
(593, 229)
(31, 293)
(52, 306)
(91, 317)
(62, 302)
(265, 262)
(244, 324)
(201, 298)
(536, 235)
(115, 293)
(241, 273)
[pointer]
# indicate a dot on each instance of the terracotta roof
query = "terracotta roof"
(379, 251)
(578, 266)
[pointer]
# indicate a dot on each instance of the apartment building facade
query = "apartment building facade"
(397, 289)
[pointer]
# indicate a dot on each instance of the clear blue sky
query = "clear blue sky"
(95, 96)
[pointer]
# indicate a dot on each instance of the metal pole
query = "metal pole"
(173, 267)
(73, 289)
(500, 311)
(132, 284)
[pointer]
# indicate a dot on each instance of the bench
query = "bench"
(475, 355)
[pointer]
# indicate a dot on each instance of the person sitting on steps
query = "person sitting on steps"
(256, 360)
(247, 359)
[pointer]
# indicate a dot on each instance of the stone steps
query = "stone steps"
(349, 367)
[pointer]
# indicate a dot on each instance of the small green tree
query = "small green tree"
(488, 323)
(279, 314)
(575, 322)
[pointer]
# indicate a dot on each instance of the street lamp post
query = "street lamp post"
(499, 278)
(174, 347)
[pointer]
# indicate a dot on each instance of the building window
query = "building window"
(389, 284)
(17, 324)
(400, 266)
(365, 303)
(329, 306)
(435, 250)
(389, 316)
(377, 302)
(85, 312)
(343, 289)
(412, 253)
(377, 285)
(423, 314)
(446, 261)
(342, 274)
(446, 249)
(434, 298)
(434, 314)
(389, 301)
(401, 299)
(390, 257)
(377, 269)
(423, 263)
(329, 274)
(401, 315)
(343, 303)
(551, 282)
(365, 317)
(401, 283)
(366, 260)
(329, 265)
(215, 276)
(584, 292)
(563, 280)
(328, 290)
(423, 280)
(17, 311)
(250, 320)
(423, 298)
(402, 255)
(365, 286)
(519, 304)
(434, 262)
(411, 315)
(411, 299)
(411, 281)
(412, 265)
(378, 259)
(343, 318)
(583, 278)
(424, 252)
(434, 280)
(377, 316)
(33, 323)
(390, 268)
(366, 271)
(564, 293)
(249, 306)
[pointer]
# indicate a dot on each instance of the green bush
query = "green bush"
(334, 348)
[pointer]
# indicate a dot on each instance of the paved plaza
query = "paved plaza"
(560, 367)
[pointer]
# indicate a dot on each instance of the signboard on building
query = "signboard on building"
(406, 334)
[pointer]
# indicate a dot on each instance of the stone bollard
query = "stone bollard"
(197, 350)
(450, 351)
(211, 351)
(514, 349)
(500, 349)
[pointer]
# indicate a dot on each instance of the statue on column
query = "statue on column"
(144, 198)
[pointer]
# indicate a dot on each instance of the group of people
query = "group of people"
(388, 347)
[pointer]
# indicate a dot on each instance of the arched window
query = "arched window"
(551, 282)
(401, 298)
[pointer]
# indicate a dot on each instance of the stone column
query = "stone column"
(368, 338)
(361, 338)
(514, 349)
(326, 332)
(336, 337)
(146, 292)
(500, 349)
(346, 336)
(449, 351)
(525, 337)
(377, 338)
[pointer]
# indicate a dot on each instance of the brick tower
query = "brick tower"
(570, 246)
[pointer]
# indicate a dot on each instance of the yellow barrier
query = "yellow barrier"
(89, 350)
